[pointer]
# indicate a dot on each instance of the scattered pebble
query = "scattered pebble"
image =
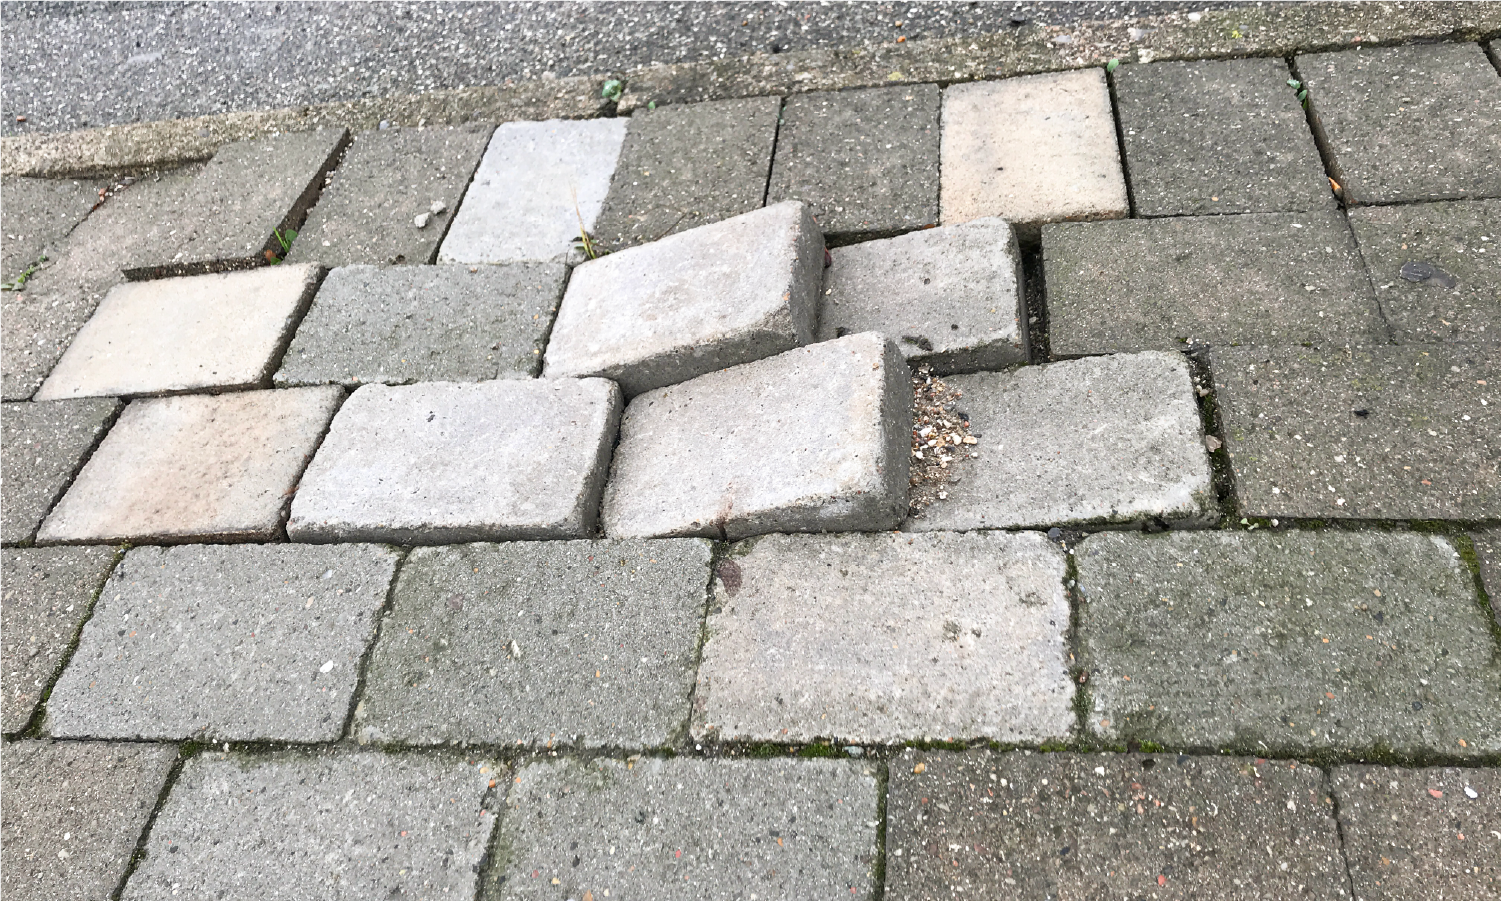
(940, 440)
(422, 220)
(437, 208)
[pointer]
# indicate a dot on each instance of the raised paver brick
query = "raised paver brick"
(688, 829)
(73, 813)
(408, 324)
(538, 185)
(949, 297)
(1378, 109)
(721, 295)
(689, 165)
(335, 826)
(1036, 149)
(1287, 643)
(584, 643)
(1488, 555)
(1022, 825)
(1162, 284)
(441, 462)
(39, 213)
(865, 161)
(367, 212)
(196, 467)
(880, 639)
(1103, 440)
(750, 450)
(1218, 136)
(43, 448)
(1370, 433)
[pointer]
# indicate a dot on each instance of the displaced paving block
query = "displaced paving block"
(43, 448)
(725, 294)
(679, 829)
(1165, 284)
(39, 213)
(881, 639)
(441, 462)
(1103, 441)
(755, 449)
(949, 297)
(408, 324)
(1488, 555)
(544, 643)
(197, 467)
(1370, 433)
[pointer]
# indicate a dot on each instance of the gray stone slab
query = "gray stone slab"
(1104, 441)
(550, 643)
(442, 462)
(688, 829)
(1488, 555)
(683, 166)
(1218, 136)
(865, 161)
(1287, 643)
(44, 446)
(1163, 284)
(1022, 825)
(368, 208)
(751, 449)
(196, 467)
(1370, 433)
(724, 294)
(73, 813)
(404, 324)
(949, 297)
(334, 826)
(39, 213)
(1405, 124)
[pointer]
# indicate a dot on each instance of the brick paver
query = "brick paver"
(44, 446)
(1487, 543)
(39, 213)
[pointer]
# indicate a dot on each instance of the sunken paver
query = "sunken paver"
(44, 446)
(538, 185)
(39, 213)
(1218, 136)
(403, 324)
(242, 642)
(197, 467)
(1163, 284)
(1103, 440)
(340, 826)
(950, 297)
(1457, 297)
(1023, 825)
(387, 180)
(683, 166)
(47, 593)
(1369, 433)
(1420, 834)
(1381, 110)
(1036, 149)
(880, 639)
(441, 462)
(1488, 555)
(583, 643)
(865, 161)
(175, 335)
(750, 449)
(73, 813)
(721, 295)
(1287, 642)
(688, 829)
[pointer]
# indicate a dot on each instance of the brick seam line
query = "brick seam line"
(83, 460)
(185, 750)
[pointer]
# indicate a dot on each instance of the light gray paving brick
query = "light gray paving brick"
(43, 448)
(39, 213)
(1487, 543)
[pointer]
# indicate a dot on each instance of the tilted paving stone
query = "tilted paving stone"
(1369, 433)
(1022, 825)
(44, 446)
(880, 639)
(197, 467)
(73, 813)
(949, 297)
(406, 324)
(1288, 642)
(1103, 440)
(1488, 554)
(750, 449)
(243, 642)
(688, 829)
(582, 643)
(337, 826)
(39, 213)
(441, 462)
(721, 295)
(1163, 284)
